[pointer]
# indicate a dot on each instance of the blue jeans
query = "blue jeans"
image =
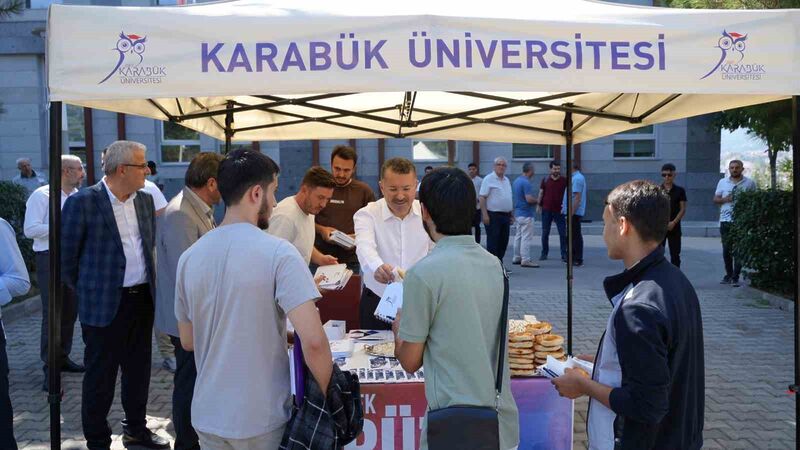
(548, 218)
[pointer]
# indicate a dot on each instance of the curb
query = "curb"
(23, 309)
(775, 301)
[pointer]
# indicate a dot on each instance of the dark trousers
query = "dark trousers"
(185, 376)
(476, 223)
(126, 344)
(548, 217)
(674, 240)
(7, 441)
(497, 233)
(733, 268)
(366, 312)
(69, 309)
(577, 240)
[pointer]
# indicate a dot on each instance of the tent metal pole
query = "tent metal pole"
(228, 127)
(568, 134)
(796, 194)
(54, 284)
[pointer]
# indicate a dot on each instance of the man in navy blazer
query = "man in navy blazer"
(107, 257)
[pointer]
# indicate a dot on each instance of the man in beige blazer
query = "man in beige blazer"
(187, 217)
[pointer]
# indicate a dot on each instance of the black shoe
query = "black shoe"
(577, 263)
(146, 439)
(72, 367)
(564, 260)
(726, 280)
(735, 282)
(542, 257)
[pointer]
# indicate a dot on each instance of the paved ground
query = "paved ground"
(748, 356)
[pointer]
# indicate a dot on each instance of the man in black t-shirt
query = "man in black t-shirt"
(349, 196)
(677, 204)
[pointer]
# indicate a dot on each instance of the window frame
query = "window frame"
(628, 136)
(550, 151)
(164, 141)
(444, 160)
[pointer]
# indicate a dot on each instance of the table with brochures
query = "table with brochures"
(395, 405)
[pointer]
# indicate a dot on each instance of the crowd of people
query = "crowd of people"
(220, 296)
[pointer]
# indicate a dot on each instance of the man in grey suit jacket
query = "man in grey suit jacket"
(186, 218)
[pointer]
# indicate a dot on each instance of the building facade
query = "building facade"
(690, 144)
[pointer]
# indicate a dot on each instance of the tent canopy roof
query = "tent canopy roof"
(502, 70)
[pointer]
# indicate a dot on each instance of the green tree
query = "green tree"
(9, 7)
(771, 122)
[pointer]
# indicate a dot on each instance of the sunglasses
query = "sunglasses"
(667, 174)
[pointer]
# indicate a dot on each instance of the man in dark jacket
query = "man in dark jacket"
(647, 389)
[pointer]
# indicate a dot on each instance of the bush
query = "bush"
(763, 233)
(12, 209)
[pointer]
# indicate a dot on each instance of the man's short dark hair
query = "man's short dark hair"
(152, 166)
(527, 167)
(318, 177)
(427, 168)
(555, 163)
(472, 165)
(736, 161)
(449, 196)
(345, 152)
(400, 166)
(203, 167)
(645, 205)
(576, 165)
(668, 167)
(242, 169)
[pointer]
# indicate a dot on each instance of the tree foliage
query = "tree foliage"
(9, 7)
(763, 233)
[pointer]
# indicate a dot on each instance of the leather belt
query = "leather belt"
(138, 289)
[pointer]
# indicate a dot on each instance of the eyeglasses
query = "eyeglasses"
(667, 174)
(140, 166)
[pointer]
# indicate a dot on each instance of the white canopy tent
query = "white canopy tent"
(550, 72)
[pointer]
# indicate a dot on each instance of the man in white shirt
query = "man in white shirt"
(389, 236)
(293, 218)
(165, 347)
(496, 208)
(725, 197)
(37, 227)
(472, 170)
(14, 281)
(235, 288)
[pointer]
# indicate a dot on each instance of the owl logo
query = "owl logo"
(129, 46)
(729, 42)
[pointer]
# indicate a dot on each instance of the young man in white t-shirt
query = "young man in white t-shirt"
(725, 197)
(293, 218)
(235, 287)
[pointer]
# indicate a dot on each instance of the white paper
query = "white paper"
(391, 301)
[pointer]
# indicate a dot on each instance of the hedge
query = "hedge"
(763, 237)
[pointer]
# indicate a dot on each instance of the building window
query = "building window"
(532, 151)
(636, 143)
(178, 143)
(429, 150)
(76, 131)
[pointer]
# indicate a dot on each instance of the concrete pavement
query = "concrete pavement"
(748, 350)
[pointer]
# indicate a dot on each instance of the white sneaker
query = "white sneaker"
(170, 365)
